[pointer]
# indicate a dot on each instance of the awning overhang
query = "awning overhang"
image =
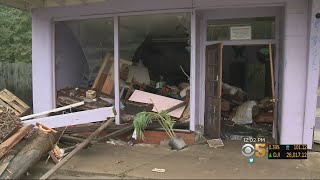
(32, 4)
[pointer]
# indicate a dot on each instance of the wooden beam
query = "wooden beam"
(76, 118)
(77, 149)
(52, 111)
(14, 139)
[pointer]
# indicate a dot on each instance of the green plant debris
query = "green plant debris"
(143, 119)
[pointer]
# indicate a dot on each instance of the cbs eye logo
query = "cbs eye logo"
(249, 150)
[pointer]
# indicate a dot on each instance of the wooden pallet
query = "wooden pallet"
(7, 99)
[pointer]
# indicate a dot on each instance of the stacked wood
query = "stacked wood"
(9, 100)
(29, 155)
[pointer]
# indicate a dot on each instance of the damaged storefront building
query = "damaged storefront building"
(223, 68)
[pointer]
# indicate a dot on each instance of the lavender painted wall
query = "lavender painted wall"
(294, 59)
(71, 66)
(294, 72)
(313, 74)
(42, 63)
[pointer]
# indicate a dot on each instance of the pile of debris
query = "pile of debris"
(26, 139)
(138, 92)
(239, 113)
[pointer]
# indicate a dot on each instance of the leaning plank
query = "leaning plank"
(160, 102)
(52, 111)
(76, 118)
(14, 139)
(101, 70)
(29, 155)
(77, 149)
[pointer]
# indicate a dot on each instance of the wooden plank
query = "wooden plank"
(52, 111)
(13, 102)
(5, 163)
(76, 118)
(101, 70)
(108, 86)
(24, 105)
(9, 101)
(14, 139)
(77, 149)
(160, 102)
(271, 70)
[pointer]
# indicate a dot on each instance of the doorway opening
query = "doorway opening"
(240, 80)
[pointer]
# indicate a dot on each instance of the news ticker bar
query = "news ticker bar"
(295, 151)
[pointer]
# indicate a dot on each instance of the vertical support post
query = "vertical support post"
(193, 72)
(312, 75)
(116, 67)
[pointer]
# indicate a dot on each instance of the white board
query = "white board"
(76, 118)
(160, 102)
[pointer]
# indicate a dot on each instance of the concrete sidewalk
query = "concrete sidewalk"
(105, 161)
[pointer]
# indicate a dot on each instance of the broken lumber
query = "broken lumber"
(116, 133)
(29, 155)
(76, 118)
(52, 111)
(14, 139)
(132, 108)
(77, 149)
(160, 102)
(91, 94)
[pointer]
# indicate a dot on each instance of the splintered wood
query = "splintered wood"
(7, 99)
(8, 122)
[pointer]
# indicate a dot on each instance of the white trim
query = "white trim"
(116, 67)
(76, 118)
(243, 42)
(119, 14)
(31, 116)
(193, 72)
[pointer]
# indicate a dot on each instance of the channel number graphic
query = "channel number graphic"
(259, 150)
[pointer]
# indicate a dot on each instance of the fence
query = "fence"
(17, 78)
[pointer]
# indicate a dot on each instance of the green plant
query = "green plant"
(143, 119)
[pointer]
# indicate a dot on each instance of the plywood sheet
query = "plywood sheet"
(160, 102)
